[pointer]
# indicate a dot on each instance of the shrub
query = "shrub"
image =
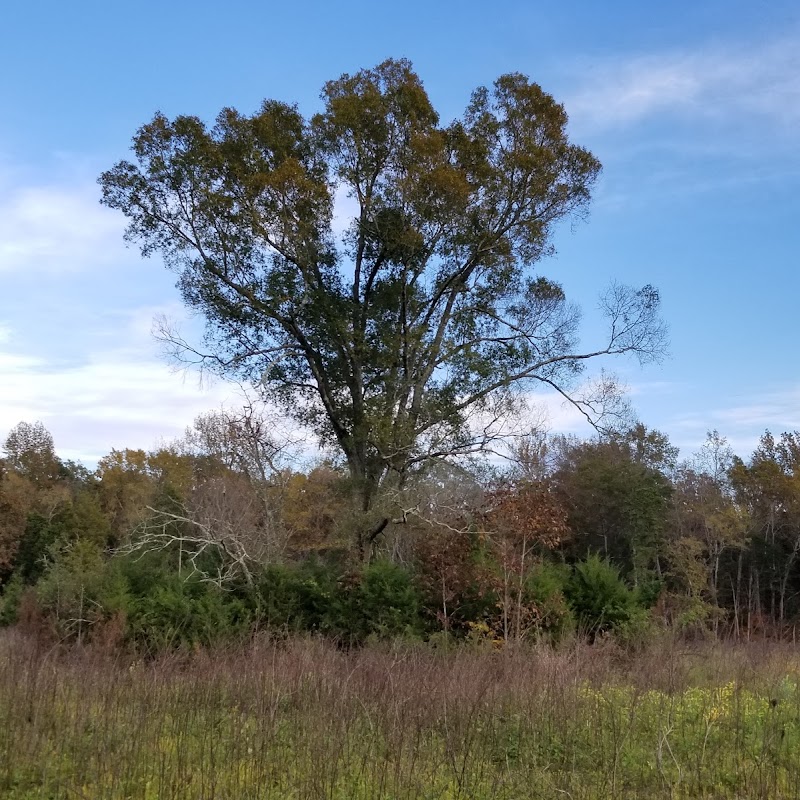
(185, 613)
(296, 598)
(547, 586)
(384, 603)
(598, 596)
(381, 601)
(10, 600)
(166, 610)
(79, 588)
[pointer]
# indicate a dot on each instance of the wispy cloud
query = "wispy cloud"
(56, 228)
(744, 422)
(120, 396)
(720, 82)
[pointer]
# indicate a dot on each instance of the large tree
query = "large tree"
(391, 338)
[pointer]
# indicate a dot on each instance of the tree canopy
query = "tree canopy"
(390, 337)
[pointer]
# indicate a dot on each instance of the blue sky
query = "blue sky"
(693, 108)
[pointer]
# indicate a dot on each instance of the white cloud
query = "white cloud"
(779, 412)
(57, 228)
(743, 423)
(748, 82)
(115, 397)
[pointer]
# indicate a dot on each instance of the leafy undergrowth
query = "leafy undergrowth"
(305, 720)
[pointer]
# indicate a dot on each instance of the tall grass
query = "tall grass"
(302, 719)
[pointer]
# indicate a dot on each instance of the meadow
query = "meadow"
(303, 719)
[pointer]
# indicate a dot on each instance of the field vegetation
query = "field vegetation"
(597, 621)
(304, 719)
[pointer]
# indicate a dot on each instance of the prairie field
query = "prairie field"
(303, 719)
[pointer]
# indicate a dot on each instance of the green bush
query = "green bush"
(598, 596)
(384, 603)
(160, 608)
(166, 610)
(10, 599)
(299, 598)
(185, 613)
(546, 586)
(381, 601)
(79, 588)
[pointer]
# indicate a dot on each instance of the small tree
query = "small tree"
(618, 500)
(708, 527)
(29, 451)
(228, 519)
(522, 521)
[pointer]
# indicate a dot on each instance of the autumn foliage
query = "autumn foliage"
(222, 533)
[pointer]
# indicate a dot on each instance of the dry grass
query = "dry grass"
(305, 720)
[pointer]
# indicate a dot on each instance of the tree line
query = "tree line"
(220, 534)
